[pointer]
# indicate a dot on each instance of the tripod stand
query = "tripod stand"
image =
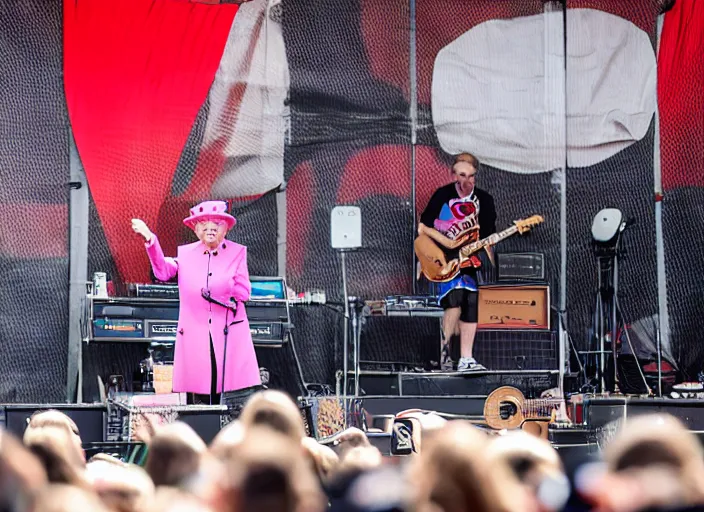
(608, 322)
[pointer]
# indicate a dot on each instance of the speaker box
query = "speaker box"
(90, 419)
(207, 424)
(602, 411)
(346, 227)
(520, 266)
(514, 307)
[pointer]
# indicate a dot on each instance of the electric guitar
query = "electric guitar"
(507, 408)
(440, 264)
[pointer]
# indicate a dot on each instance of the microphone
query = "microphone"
(208, 296)
(205, 293)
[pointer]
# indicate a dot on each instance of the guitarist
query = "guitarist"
(456, 214)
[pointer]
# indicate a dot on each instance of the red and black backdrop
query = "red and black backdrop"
(171, 102)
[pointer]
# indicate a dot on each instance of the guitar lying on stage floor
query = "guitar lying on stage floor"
(507, 408)
(441, 264)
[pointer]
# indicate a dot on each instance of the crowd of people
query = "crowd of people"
(263, 461)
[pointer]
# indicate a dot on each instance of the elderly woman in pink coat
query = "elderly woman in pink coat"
(217, 267)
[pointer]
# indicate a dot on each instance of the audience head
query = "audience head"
(55, 449)
(170, 499)
(659, 441)
(21, 474)
(654, 439)
(52, 418)
(123, 487)
(175, 454)
(67, 498)
(454, 474)
(322, 459)
(535, 464)
(227, 439)
(268, 472)
(275, 410)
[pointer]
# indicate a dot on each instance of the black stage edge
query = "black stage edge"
(601, 414)
(91, 419)
(470, 405)
(207, 424)
(93, 422)
(385, 383)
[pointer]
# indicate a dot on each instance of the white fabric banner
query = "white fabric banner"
(491, 91)
(251, 131)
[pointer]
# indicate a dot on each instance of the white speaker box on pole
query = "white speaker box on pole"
(346, 227)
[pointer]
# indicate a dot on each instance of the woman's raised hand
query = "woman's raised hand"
(139, 227)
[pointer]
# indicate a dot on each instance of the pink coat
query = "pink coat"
(225, 273)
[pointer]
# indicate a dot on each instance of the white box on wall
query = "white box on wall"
(346, 227)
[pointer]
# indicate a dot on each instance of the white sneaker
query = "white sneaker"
(469, 364)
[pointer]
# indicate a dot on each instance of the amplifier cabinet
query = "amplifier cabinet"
(89, 418)
(520, 266)
(141, 320)
(514, 307)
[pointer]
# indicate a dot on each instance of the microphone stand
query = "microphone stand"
(231, 307)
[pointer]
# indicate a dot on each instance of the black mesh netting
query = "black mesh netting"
(316, 100)
(34, 172)
(630, 186)
(351, 145)
(681, 219)
(623, 180)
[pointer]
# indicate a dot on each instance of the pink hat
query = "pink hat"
(209, 210)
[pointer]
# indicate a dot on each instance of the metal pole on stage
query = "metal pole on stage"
(413, 115)
(600, 329)
(615, 313)
(658, 336)
(356, 326)
(345, 335)
(662, 333)
(345, 236)
(281, 241)
(563, 212)
(78, 273)
(555, 16)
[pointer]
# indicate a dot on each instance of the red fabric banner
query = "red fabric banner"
(136, 73)
(680, 98)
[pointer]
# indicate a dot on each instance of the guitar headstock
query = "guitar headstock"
(524, 225)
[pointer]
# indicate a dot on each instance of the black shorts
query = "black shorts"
(465, 299)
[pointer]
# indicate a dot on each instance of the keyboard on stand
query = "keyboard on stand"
(404, 305)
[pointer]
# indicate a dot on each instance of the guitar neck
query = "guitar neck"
(488, 241)
(540, 408)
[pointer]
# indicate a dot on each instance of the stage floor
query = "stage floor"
(601, 417)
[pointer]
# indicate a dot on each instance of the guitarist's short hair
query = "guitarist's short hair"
(469, 158)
